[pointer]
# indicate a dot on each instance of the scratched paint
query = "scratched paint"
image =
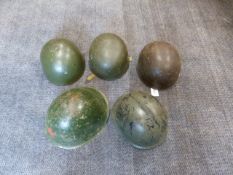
(141, 119)
(76, 116)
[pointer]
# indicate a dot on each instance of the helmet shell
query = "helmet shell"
(141, 119)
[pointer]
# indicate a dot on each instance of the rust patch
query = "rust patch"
(51, 132)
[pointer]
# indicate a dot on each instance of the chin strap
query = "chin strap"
(90, 77)
(130, 58)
